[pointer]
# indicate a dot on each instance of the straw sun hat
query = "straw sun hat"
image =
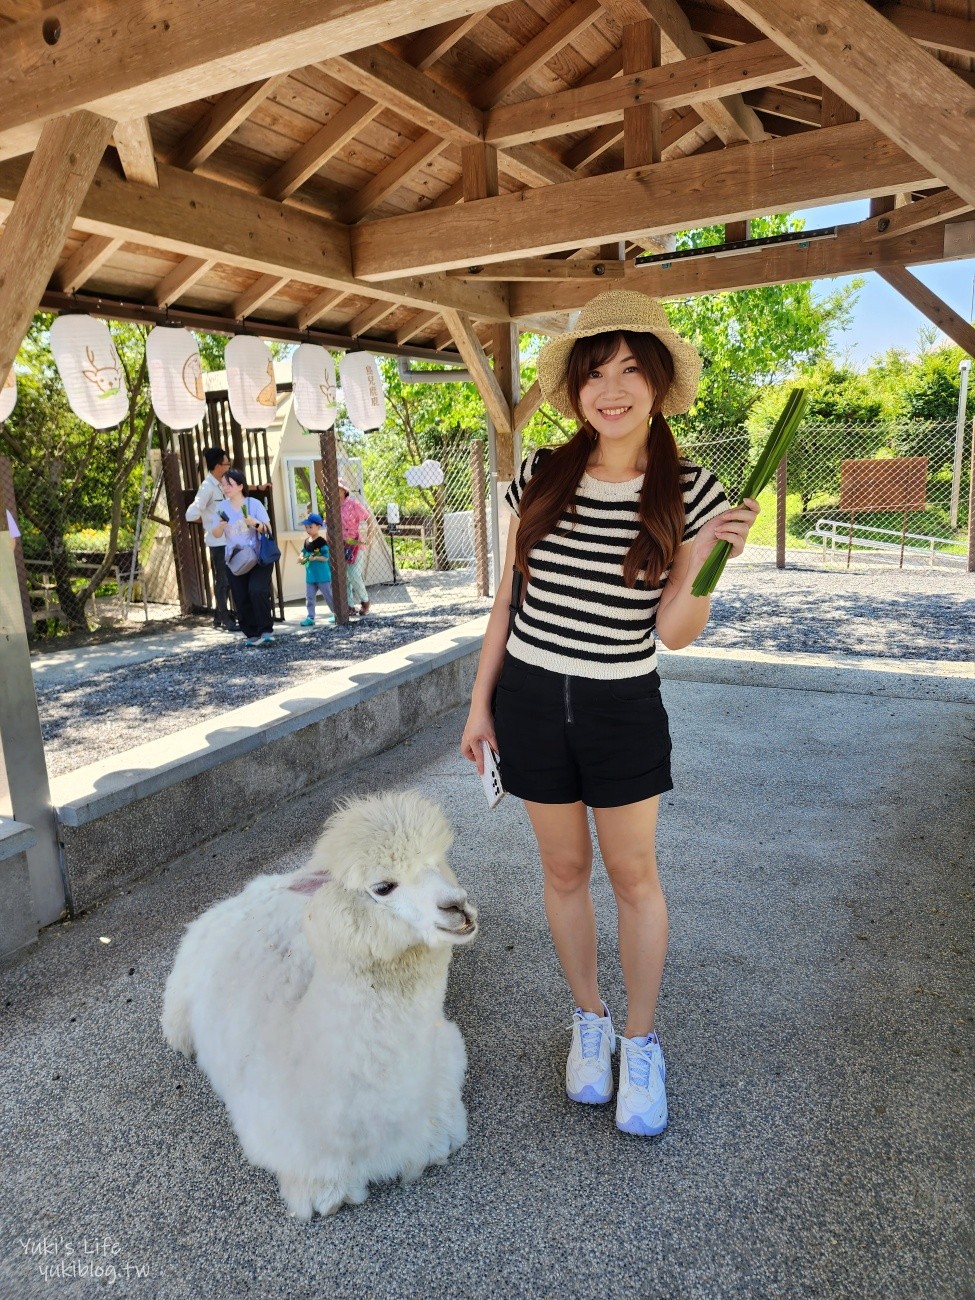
(636, 313)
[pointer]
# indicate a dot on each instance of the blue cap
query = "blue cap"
(313, 519)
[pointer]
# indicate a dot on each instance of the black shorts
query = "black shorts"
(565, 739)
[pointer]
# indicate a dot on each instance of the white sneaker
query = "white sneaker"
(589, 1069)
(641, 1103)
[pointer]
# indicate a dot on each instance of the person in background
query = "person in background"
(318, 570)
(203, 509)
(241, 519)
(355, 532)
(610, 529)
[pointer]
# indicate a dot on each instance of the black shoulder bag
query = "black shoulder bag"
(517, 581)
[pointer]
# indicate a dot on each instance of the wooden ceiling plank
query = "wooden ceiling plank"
(261, 290)
(93, 253)
(429, 46)
(915, 216)
(121, 59)
(641, 122)
(414, 157)
(554, 36)
(49, 199)
(933, 30)
(197, 217)
(469, 347)
(220, 121)
(694, 82)
(917, 101)
(930, 305)
(317, 308)
(182, 277)
(823, 166)
(135, 151)
(849, 253)
(340, 128)
(543, 268)
(393, 82)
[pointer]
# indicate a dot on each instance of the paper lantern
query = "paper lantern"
(90, 370)
(362, 389)
(313, 377)
(175, 378)
(8, 394)
(251, 389)
(429, 474)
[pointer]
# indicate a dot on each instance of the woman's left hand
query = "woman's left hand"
(731, 526)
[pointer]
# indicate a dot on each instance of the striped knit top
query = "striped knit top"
(578, 617)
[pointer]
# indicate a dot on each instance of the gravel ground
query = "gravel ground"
(874, 610)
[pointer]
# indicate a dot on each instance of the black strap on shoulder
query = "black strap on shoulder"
(517, 581)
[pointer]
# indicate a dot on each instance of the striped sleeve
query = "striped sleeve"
(704, 497)
(518, 484)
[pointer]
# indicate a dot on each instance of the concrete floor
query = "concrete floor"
(817, 1017)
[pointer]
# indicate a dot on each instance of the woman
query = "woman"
(355, 530)
(609, 532)
(241, 519)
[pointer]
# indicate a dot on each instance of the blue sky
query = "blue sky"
(882, 319)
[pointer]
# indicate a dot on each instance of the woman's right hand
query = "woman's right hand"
(479, 726)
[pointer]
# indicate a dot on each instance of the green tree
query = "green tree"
(68, 476)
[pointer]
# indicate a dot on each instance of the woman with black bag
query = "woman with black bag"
(242, 521)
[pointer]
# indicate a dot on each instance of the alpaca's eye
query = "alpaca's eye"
(385, 888)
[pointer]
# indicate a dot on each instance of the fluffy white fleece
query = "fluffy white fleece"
(314, 1004)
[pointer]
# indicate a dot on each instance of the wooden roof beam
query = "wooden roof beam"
(929, 211)
(934, 31)
(340, 128)
(396, 84)
(47, 202)
(917, 101)
(784, 103)
(197, 217)
(469, 347)
(545, 268)
(317, 308)
(429, 46)
(692, 82)
(823, 166)
(182, 277)
(850, 253)
(125, 59)
(930, 305)
(368, 317)
(728, 115)
(421, 321)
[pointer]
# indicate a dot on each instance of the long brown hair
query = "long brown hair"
(550, 490)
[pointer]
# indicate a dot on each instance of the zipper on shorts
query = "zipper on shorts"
(568, 700)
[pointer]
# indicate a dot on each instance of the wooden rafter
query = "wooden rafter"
(553, 37)
(429, 46)
(918, 102)
(182, 277)
(929, 211)
(845, 162)
(264, 287)
(340, 128)
(935, 31)
(470, 348)
(220, 121)
(368, 317)
(417, 323)
(53, 189)
(317, 308)
(931, 306)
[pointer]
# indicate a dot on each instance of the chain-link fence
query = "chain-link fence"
(873, 488)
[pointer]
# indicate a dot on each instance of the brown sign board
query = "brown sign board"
(899, 484)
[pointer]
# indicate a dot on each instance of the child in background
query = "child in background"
(318, 570)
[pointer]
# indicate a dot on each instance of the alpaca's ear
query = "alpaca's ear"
(310, 884)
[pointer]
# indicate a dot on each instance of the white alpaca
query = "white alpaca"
(314, 1003)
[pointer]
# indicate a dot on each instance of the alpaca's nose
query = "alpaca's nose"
(458, 913)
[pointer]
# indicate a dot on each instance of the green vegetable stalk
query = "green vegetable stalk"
(761, 475)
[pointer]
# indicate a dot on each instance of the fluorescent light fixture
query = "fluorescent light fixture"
(738, 248)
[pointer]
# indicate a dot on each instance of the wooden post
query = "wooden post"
(508, 375)
(333, 521)
(781, 501)
(187, 579)
(641, 124)
(479, 506)
(8, 503)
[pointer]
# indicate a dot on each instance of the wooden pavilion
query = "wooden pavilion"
(436, 178)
